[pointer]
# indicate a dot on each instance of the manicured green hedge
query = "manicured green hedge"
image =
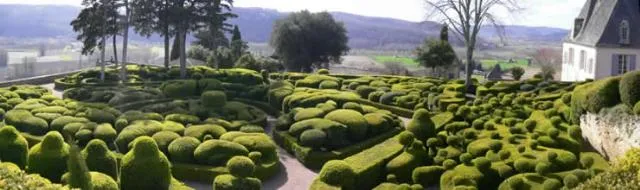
(315, 159)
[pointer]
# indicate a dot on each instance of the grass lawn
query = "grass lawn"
(407, 61)
(488, 64)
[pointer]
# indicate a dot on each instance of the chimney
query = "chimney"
(577, 27)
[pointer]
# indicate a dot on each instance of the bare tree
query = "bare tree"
(549, 61)
(467, 17)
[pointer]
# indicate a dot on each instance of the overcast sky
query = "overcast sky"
(552, 13)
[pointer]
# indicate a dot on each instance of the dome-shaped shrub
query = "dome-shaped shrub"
(200, 131)
(83, 136)
(308, 113)
(179, 88)
(163, 139)
(183, 119)
(135, 130)
(252, 129)
(378, 122)
(217, 152)
(13, 147)
(328, 84)
(214, 99)
(421, 125)
(182, 149)
(49, 157)
(571, 181)
(100, 116)
(100, 159)
(230, 182)
(406, 138)
(241, 166)
(337, 173)
(209, 84)
(100, 181)
(145, 167)
(427, 176)
(357, 126)
(105, 132)
(24, 121)
(59, 123)
(313, 138)
(173, 127)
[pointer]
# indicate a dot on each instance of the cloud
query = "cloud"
(552, 13)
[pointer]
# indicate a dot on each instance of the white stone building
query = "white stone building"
(604, 41)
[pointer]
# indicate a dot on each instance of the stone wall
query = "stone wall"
(611, 135)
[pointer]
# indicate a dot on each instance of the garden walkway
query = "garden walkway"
(292, 176)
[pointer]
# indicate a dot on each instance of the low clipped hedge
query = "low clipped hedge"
(368, 165)
(315, 159)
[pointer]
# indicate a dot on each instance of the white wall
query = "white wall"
(605, 58)
(602, 62)
(572, 72)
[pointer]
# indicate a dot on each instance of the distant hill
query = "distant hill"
(31, 21)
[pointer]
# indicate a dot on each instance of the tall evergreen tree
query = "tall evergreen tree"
(94, 24)
(194, 15)
(152, 16)
(238, 47)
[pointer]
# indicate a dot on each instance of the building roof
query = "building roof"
(601, 26)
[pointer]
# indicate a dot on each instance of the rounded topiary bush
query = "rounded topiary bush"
(183, 119)
(328, 84)
(406, 138)
(308, 113)
(49, 157)
(218, 152)
(427, 176)
(636, 108)
(230, 182)
(543, 168)
(100, 181)
(24, 121)
(337, 173)
(182, 149)
(100, 159)
(100, 116)
(551, 184)
(105, 132)
(629, 91)
(179, 88)
(357, 126)
(313, 138)
(200, 131)
(241, 166)
(421, 125)
(163, 139)
(379, 122)
(145, 167)
(571, 181)
(214, 99)
(13, 147)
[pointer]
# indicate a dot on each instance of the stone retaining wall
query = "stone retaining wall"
(610, 135)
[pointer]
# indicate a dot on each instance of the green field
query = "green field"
(407, 61)
(488, 64)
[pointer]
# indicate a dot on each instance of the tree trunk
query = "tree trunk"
(469, 68)
(102, 54)
(115, 51)
(166, 46)
(183, 54)
(125, 42)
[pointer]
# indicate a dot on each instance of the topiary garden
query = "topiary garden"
(224, 126)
